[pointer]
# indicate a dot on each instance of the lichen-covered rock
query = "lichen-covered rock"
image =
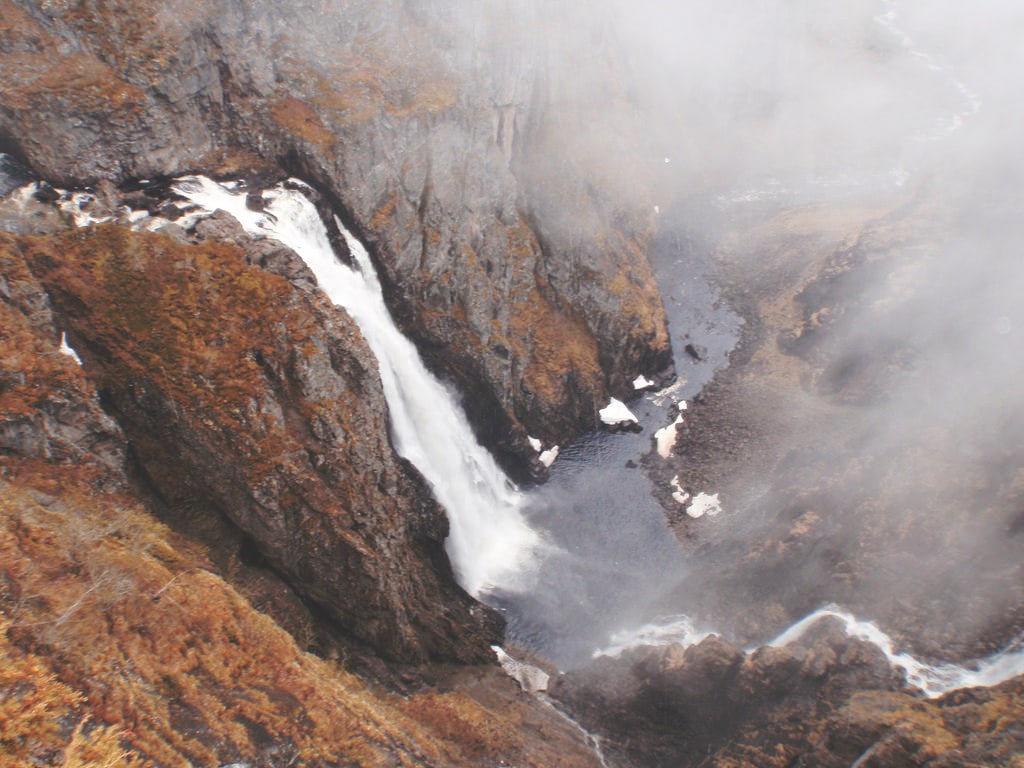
(49, 410)
(521, 278)
(826, 700)
(241, 392)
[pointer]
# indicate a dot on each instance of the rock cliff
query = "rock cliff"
(240, 392)
(431, 139)
(122, 642)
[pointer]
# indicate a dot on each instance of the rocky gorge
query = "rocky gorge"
(213, 553)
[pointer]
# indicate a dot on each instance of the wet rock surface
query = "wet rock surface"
(840, 453)
(440, 165)
(240, 392)
(825, 700)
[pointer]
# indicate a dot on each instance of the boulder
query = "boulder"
(243, 394)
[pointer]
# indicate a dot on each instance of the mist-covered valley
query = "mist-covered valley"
(795, 227)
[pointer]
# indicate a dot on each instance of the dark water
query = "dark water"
(614, 556)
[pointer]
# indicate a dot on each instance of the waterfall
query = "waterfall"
(489, 538)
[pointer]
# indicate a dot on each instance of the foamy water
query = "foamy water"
(489, 541)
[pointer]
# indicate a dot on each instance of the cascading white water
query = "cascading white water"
(490, 541)
(933, 679)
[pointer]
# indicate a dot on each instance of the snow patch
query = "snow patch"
(616, 412)
(530, 678)
(547, 458)
(679, 494)
(642, 382)
(665, 437)
(704, 504)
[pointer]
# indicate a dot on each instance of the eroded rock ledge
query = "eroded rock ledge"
(242, 393)
(827, 700)
(435, 147)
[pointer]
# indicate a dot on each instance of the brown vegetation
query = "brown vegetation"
(120, 644)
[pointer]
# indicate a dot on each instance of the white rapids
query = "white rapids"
(490, 540)
(933, 680)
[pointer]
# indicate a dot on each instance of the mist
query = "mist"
(909, 110)
(898, 117)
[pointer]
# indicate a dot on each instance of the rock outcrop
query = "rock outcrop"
(121, 645)
(244, 394)
(523, 280)
(826, 700)
(49, 409)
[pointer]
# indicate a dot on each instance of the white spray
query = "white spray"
(490, 539)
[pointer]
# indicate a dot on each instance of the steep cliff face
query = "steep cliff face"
(416, 136)
(243, 393)
(49, 409)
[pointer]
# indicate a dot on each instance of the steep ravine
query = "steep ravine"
(153, 649)
(509, 215)
(535, 321)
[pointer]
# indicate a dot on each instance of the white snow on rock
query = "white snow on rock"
(536, 444)
(530, 678)
(666, 439)
(547, 458)
(679, 494)
(642, 382)
(666, 436)
(616, 412)
(704, 504)
(78, 205)
(65, 348)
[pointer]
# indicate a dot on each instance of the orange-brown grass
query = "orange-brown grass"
(101, 617)
(36, 69)
(37, 711)
(919, 722)
(300, 120)
(193, 318)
